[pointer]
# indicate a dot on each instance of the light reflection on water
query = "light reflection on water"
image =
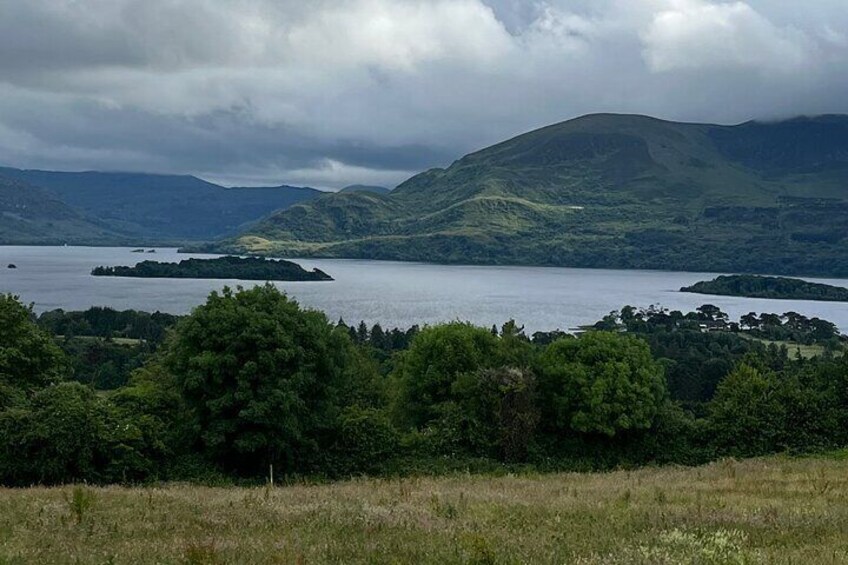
(391, 293)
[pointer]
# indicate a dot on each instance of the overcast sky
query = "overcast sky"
(333, 92)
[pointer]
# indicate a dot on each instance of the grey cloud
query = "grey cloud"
(330, 93)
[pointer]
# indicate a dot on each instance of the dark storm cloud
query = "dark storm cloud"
(335, 92)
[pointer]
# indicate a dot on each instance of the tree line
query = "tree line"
(250, 379)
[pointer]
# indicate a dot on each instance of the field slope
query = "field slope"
(772, 510)
(603, 190)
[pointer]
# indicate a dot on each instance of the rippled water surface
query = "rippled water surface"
(391, 293)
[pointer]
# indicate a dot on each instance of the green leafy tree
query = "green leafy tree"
(746, 413)
(600, 383)
(500, 410)
(436, 358)
(62, 436)
(265, 379)
(366, 441)
(29, 357)
(757, 411)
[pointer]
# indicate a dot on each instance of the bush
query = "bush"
(366, 442)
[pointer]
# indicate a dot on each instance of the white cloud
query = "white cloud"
(332, 92)
(695, 34)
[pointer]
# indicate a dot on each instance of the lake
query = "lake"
(392, 293)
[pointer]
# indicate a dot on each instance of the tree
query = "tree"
(502, 403)
(362, 332)
(29, 357)
(711, 313)
(377, 337)
(61, 437)
(266, 380)
(437, 356)
(757, 410)
(602, 383)
(745, 412)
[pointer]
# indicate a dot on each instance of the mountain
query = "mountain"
(32, 215)
(611, 191)
(366, 188)
(161, 207)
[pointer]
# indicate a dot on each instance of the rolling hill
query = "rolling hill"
(611, 191)
(32, 215)
(156, 208)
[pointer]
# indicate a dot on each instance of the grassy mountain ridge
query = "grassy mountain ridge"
(366, 188)
(604, 190)
(151, 207)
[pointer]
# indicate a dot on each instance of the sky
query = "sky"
(327, 93)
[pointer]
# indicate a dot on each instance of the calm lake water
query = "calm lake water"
(391, 293)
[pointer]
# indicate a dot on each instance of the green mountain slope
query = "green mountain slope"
(604, 190)
(366, 188)
(34, 216)
(162, 207)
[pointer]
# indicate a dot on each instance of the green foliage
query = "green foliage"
(502, 408)
(29, 358)
(266, 380)
(244, 268)
(108, 323)
(757, 410)
(80, 502)
(103, 363)
(436, 358)
(250, 379)
(366, 440)
(769, 287)
(694, 360)
(61, 437)
(601, 383)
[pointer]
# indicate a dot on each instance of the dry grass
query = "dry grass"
(775, 510)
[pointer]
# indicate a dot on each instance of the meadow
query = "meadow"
(766, 510)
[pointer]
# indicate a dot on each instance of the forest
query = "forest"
(756, 286)
(251, 380)
(242, 268)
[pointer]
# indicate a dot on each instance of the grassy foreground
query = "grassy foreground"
(774, 510)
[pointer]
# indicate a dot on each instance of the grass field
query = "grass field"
(775, 510)
(794, 349)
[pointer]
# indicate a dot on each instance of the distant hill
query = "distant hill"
(619, 191)
(29, 214)
(366, 188)
(160, 207)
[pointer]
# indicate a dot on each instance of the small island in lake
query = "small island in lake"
(781, 288)
(251, 269)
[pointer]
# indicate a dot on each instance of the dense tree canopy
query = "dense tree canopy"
(266, 379)
(29, 357)
(602, 383)
(436, 358)
(251, 379)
